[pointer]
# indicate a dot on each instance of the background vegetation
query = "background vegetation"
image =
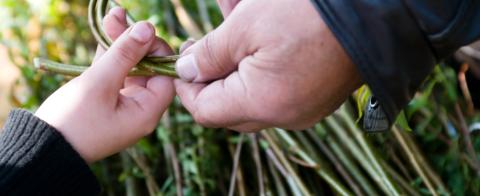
(436, 155)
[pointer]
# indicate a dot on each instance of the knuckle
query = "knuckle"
(202, 119)
(125, 54)
(214, 57)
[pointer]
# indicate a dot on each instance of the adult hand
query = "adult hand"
(102, 112)
(270, 63)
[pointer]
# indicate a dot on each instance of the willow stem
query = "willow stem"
(300, 185)
(76, 70)
(371, 156)
(330, 179)
(149, 66)
(414, 161)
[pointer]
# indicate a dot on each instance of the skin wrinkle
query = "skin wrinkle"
(243, 91)
(132, 90)
(201, 114)
(236, 46)
(110, 121)
(210, 51)
(287, 77)
(253, 97)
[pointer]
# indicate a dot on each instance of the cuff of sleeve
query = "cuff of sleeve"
(35, 159)
(384, 41)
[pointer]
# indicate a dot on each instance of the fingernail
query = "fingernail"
(187, 68)
(118, 13)
(142, 32)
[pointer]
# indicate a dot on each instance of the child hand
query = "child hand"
(102, 111)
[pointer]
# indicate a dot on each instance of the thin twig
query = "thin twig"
(236, 162)
(203, 10)
(173, 155)
(284, 161)
(399, 164)
(140, 160)
(466, 138)
(187, 22)
(374, 160)
(176, 168)
(359, 155)
(330, 179)
(336, 163)
(130, 189)
(290, 179)
(278, 183)
(302, 162)
(258, 163)
(414, 161)
(396, 176)
(464, 87)
(470, 51)
(421, 160)
(96, 12)
(351, 166)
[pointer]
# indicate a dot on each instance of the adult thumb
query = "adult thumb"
(208, 59)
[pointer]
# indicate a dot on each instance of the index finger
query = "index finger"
(219, 104)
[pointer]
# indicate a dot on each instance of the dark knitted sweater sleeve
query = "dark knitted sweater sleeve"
(36, 160)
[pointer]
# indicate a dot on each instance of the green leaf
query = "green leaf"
(361, 97)
(402, 121)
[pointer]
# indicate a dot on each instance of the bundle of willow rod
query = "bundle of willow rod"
(149, 66)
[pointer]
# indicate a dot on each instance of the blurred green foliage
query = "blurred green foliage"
(183, 157)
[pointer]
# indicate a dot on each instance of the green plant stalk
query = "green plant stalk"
(130, 20)
(170, 148)
(284, 161)
(76, 70)
(351, 166)
(402, 182)
(92, 5)
(140, 160)
(368, 150)
(308, 148)
(467, 140)
(149, 66)
(333, 159)
(414, 161)
(258, 162)
(331, 180)
(130, 187)
(355, 150)
(428, 170)
(235, 168)
(273, 160)
(279, 186)
(96, 14)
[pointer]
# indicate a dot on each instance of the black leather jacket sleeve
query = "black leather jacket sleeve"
(396, 43)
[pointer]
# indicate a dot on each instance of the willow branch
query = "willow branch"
(236, 163)
(414, 161)
(330, 179)
(148, 66)
(301, 187)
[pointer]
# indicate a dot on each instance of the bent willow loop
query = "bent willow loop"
(149, 66)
